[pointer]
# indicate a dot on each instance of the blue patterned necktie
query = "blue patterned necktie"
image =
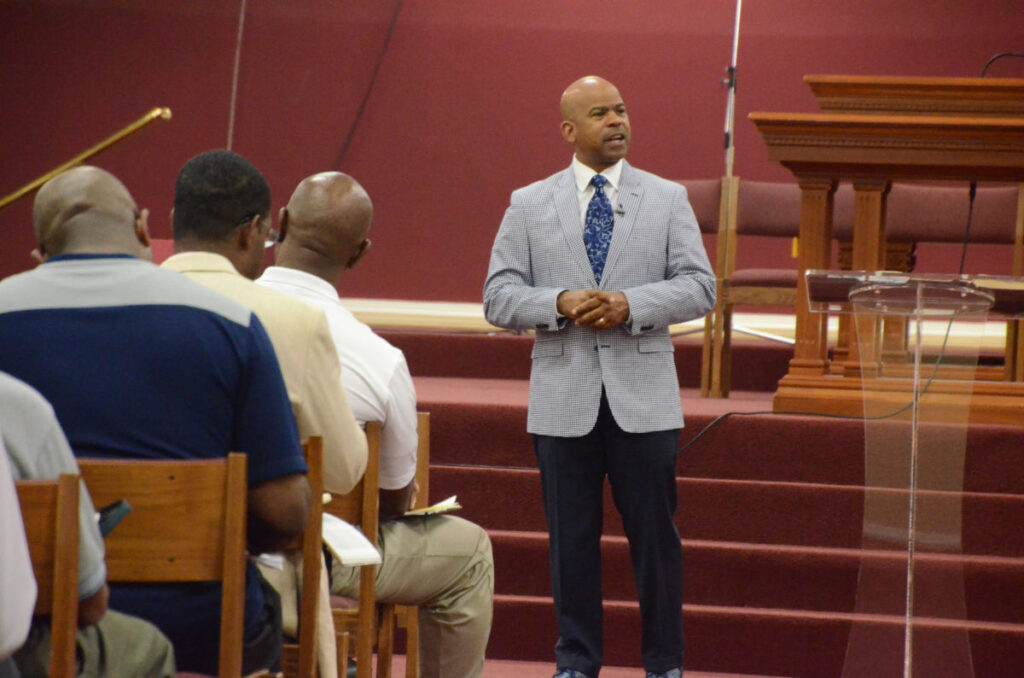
(597, 227)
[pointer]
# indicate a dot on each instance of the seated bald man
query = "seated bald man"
(441, 563)
(141, 363)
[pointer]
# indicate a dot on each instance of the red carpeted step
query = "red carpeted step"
(745, 511)
(771, 515)
(790, 577)
(510, 668)
(778, 642)
(483, 422)
(756, 365)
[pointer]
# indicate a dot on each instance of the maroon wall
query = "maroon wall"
(463, 106)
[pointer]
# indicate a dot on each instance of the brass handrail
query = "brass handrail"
(163, 113)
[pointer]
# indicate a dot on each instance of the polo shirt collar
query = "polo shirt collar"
(200, 261)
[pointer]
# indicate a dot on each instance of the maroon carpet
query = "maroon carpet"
(771, 516)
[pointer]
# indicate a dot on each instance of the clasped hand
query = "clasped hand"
(597, 309)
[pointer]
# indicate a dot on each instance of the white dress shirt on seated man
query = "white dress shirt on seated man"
(442, 563)
(376, 377)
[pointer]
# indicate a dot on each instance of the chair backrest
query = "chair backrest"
(928, 213)
(360, 507)
(49, 509)
(187, 524)
(704, 196)
(423, 460)
(311, 546)
(768, 208)
(918, 213)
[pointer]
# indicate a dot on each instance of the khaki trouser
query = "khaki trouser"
(444, 565)
(120, 646)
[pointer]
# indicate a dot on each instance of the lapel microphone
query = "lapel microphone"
(620, 211)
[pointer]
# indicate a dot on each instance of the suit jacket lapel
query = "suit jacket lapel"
(568, 207)
(630, 193)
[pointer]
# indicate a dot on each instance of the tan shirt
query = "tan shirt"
(308, 359)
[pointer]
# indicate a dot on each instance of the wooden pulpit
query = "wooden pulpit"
(871, 132)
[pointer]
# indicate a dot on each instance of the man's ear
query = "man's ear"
(364, 247)
(142, 235)
(569, 131)
(282, 224)
(142, 227)
(246, 236)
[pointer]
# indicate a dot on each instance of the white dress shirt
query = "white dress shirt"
(376, 377)
(585, 189)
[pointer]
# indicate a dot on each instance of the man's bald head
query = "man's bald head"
(88, 210)
(577, 95)
(595, 122)
(326, 221)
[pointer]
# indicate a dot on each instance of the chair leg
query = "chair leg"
(344, 650)
(725, 355)
(722, 326)
(706, 354)
(385, 641)
(412, 642)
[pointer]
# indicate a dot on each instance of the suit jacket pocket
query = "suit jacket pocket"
(655, 344)
(547, 349)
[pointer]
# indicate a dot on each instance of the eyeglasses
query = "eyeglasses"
(272, 236)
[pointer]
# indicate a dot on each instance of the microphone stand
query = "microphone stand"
(726, 246)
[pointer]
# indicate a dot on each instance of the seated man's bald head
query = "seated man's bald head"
(87, 209)
(330, 214)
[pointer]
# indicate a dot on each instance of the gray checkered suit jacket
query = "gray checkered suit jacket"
(656, 258)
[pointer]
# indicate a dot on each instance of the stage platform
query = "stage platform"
(771, 519)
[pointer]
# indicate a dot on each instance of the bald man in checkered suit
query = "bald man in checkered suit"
(604, 396)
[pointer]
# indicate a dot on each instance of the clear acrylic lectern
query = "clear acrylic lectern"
(910, 612)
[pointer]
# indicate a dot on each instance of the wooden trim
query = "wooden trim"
(49, 511)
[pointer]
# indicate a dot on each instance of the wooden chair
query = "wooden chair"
(187, 524)
(365, 624)
(758, 209)
(408, 615)
(929, 214)
(298, 660)
(915, 214)
(705, 197)
(49, 509)
(380, 630)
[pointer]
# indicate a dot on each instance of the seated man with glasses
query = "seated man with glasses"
(221, 222)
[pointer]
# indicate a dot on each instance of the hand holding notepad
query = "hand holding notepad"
(351, 547)
(446, 506)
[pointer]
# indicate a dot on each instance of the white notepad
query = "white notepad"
(346, 543)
